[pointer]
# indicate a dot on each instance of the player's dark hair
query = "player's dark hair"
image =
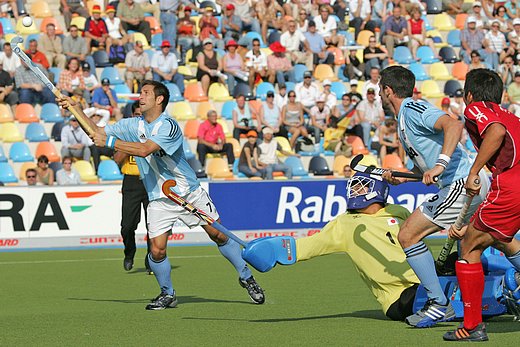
(159, 89)
(400, 79)
(135, 106)
(484, 85)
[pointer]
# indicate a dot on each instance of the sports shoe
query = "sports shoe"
(511, 291)
(431, 314)
(512, 282)
(163, 301)
(462, 334)
(256, 293)
(128, 264)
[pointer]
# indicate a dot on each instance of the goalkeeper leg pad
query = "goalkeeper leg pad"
(264, 253)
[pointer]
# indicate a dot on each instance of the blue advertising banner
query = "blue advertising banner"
(295, 204)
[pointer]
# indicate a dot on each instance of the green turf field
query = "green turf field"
(85, 298)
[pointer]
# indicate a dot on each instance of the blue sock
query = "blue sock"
(515, 260)
(422, 263)
(162, 271)
(231, 251)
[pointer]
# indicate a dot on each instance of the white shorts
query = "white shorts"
(443, 208)
(163, 213)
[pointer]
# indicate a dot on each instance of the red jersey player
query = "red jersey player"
(495, 132)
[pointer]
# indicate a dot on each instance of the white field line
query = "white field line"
(94, 260)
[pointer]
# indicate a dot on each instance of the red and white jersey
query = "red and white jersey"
(478, 117)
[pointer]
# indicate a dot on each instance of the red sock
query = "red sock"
(471, 282)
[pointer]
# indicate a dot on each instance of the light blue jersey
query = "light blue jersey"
(167, 163)
(423, 143)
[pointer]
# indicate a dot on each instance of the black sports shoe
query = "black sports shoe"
(256, 293)
(128, 264)
(163, 301)
(462, 334)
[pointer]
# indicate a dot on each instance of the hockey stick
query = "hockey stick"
(39, 73)
(372, 170)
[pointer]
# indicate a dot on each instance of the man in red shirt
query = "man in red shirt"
(96, 31)
(37, 56)
(211, 139)
(495, 133)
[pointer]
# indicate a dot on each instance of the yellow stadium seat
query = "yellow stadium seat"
(181, 110)
(393, 162)
(191, 129)
(189, 55)
(23, 30)
(140, 37)
(196, 19)
(236, 146)
(439, 72)
(79, 22)
(436, 33)
(430, 89)
(369, 160)
(9, 132)
(443, 21)
(284, 143)
(266, 50)
(203, 109)
(5, 113)
(339, 163)
(218, 168)
(40, 9)
(363, 37)
(360, 55)
(186, 71)
(85, 170)
(225, 127)
(324, 72)
(25, 167)
(219, 92)
(360, 85)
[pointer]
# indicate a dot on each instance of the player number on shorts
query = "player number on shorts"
(412, 153)
(210, 207)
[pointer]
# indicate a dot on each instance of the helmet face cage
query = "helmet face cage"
(359, 185)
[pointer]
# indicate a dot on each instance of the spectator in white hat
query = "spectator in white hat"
(331, 98)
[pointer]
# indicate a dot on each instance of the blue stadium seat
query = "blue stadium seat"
(319, 167)
(341, 75)
(235, 169)
(112, 74)
(454, 38)
(101, 58)
(7, 174)
(427, 24)
(243, 88)
(55, 166)
(451, 87)
(109, 171)
(219, 27)
(349, 38)
(290, 86)
(3, 158)
(150, 53)
(57, 72)
(187, 150)
(20, 153)
(299, 70)
(29, 38)
(338, 88)
(175, 93)
(419, 72)
(254, 35)
(122, 89)
(56, 131)
(227, 109)
(273, 37)
(426, 55)
(156, 41)
(262, 89)
(197, 167)
(7, 25)
(448, 55)
(51, 113)
(433, 6)
(402, 55)
(297, 167)
(35, 132)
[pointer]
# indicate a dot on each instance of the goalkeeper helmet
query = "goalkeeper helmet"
(364, 189)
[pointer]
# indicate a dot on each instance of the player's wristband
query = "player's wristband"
(443, 160)
(111, 142)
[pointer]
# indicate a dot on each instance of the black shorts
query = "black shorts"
(403, 307)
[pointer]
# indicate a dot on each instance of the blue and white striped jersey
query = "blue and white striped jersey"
(167, 163)
(423, 143)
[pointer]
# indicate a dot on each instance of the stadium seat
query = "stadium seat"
(255, 105)
(55, 166)
(3, 157)
(426, 55)
(9, 132)
(460, 20)
(157, 40)
(402, 55)
(25, 113)
(443, 22)
(40, 9)
(339, 57)
(433, 6)
(47, 149)
(23, 30)
(225, 127)
(393, 162)
(318, 166)
(175, 93)
(203, 108)
(262, 89)
(436, 37)
(7, 25)
(142, 38)
(235, 169)
(284, 143)
(219, 92)
(349, 37)
(50, 20)
(122, 89)
(85, 170)
(181, 110)
(218, 168)
(448, 55)
(187, 150)
(454, 38)
(20, 152)
(227, 109)
(24, 168)
(297, 166)
(194, 92)
(358, 147)
(29, 38)
(439, 72)
(341, 74)
(324, 72)
(236, 146)
(430, 89)
(459, 70)
(197, 167)
(112, 73)
(338, 88)
(35, 132)
(451, 87)
(254, 35)
(243, 88)
(56, 131)
(189, 56)
(299, 70)
(339, 163)
(419, 72)
(155, 26)
(57, 72)
(189, 76)
(101, 58)
(5, 113)
(290, 86)
(369, 160)
(109, 171)
(79, 22)
(363, 37)
(273, 36)
(191, 129)
(427, 24)
(7, 174)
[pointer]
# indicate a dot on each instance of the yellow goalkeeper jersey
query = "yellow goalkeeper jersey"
(371, 241)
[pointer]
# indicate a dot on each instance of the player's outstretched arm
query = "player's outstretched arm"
(66, 102)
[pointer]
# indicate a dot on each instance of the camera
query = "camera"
(245, 121)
